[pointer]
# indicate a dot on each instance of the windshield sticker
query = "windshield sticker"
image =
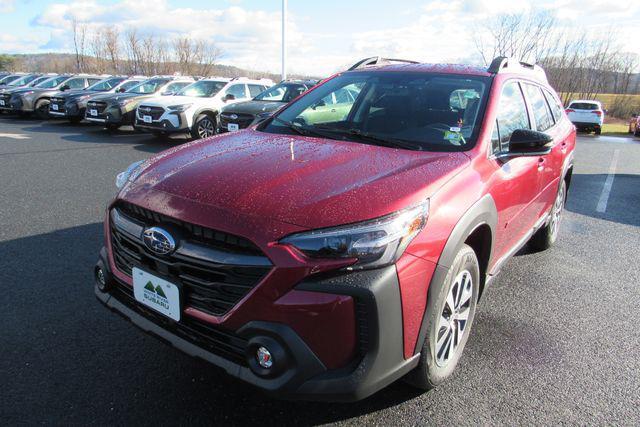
(452, 136)
(454, 129)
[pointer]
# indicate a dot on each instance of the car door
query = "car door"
(515, 181)
(563, 143)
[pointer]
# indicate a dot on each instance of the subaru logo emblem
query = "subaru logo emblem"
(159, 240)
(233, 116)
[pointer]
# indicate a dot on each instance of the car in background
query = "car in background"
(634, 125)
(325, 255)
(7, 91)
(241, 115)
(9, 78)
(114, 110)
(586, 115)
(72, 104)
(36, 99)
(195, 108)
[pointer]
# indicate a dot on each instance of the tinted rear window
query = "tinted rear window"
(583, 106)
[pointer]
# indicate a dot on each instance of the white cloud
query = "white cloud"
(439, 31)
(7, 6)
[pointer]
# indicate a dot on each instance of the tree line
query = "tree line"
(579, 62)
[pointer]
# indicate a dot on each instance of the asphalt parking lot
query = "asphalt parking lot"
(556, 339)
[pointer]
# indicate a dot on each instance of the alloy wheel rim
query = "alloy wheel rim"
(205, 128)
(454, 319)
(557, 212)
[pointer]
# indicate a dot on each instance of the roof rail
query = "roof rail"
(378, 60)
(505, 64)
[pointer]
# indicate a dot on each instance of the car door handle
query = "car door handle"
(541, 161)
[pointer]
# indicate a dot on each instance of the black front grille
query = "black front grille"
(6, 98)
(154, 112)
(207, 285)
(16, 102)
(59, 103)
(97, 105)
(243, 120)
(213, 339)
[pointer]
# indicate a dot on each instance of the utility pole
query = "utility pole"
(284, 39)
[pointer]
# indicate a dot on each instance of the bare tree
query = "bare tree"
(79, 31)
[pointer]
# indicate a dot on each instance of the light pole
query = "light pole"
(284, 39)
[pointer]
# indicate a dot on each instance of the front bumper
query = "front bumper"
(169, 122)
(69, 110)
(111, 115)
(21, 103)
(303, 375)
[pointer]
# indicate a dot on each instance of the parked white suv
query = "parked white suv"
(195, 108)
(587, 116)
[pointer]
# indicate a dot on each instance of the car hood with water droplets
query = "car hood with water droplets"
(309, 182)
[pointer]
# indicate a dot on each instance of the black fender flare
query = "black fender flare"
(483, 212)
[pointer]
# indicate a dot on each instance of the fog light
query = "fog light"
(264, 357)
(101, 279)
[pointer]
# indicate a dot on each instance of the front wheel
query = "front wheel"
(112, 127)
(451, 308)
(204, 127)
(42, 109)
(547, 235)
(598, 131)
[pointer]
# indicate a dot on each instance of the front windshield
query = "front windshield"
(203, 89)
(419, 111)
(52, 82)
(24, 80)
(148, 86)
(284, 92)
(105, 85)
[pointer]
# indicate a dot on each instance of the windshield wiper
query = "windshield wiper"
(304, 130)
(376, 139)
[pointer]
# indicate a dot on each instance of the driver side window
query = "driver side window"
(512, 115)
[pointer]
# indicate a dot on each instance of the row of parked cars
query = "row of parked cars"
(160, 105)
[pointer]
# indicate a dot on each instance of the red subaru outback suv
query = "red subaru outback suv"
(343, 243)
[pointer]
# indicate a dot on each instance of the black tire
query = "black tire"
(636, 133)
(544, 238)
(112, 127)
(41, 110)
(205, 126)
(75, 120)
(438, 362)
(598, 131)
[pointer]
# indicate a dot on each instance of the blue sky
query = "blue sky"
(324, 35)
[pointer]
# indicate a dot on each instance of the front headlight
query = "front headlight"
(373, 243)
(129, 175)
(179, 108)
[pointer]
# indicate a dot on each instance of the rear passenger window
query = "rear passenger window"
(512, 113)
(556, 107)
(255, 90)
(237, 91)
(76, 83)
(540, 108)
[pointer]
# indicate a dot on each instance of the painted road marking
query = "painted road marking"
(608, 183)
(14, 136)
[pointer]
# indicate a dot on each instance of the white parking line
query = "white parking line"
(606, 189)
(13, 136)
